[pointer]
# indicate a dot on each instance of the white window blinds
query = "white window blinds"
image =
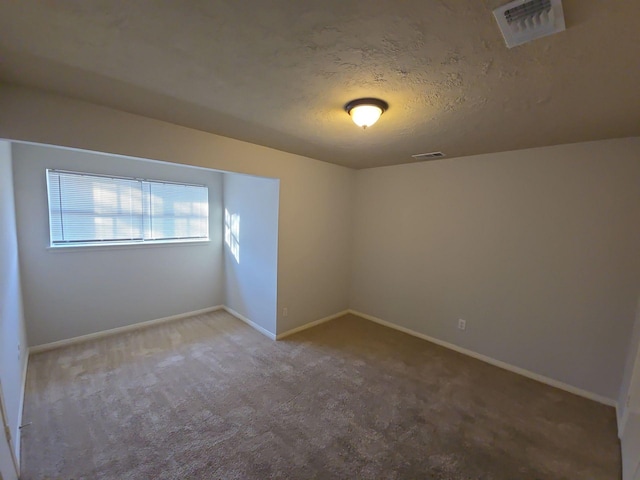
(95, 209)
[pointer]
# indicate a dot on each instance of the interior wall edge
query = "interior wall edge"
(306, 326)
(12, 319)
(249, 322)
(23, 390)
(633, 352)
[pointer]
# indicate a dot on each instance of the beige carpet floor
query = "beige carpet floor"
(209, 398)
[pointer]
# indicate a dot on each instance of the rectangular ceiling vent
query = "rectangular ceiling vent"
(521, 21)
(428, 156)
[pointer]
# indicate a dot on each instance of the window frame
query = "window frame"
(126, 243)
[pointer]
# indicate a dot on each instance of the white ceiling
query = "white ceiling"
(278, 73)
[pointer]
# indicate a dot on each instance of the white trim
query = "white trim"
(622, 415)
(114, 331)
(282, 335)
(626, 389)
(21, 407)
(498, 363)
(262, 330)
(5, 432)
(124, 245)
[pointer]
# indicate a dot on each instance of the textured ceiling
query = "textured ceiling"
(277, 73)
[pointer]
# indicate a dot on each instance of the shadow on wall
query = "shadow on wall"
(232, 233)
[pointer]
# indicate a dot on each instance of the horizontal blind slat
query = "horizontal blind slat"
(85, 209)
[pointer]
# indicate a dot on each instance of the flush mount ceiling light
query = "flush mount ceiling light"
(366, 111)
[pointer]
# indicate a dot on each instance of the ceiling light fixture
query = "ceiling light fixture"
(366, 111)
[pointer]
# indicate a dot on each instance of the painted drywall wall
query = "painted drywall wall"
(314, 237)
(251, 247)
(633, 351)
(7, 470)
(629, 427)
(13, 341)
(72, 292)
(535, 249)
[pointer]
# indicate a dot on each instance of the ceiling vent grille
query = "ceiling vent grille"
(521, 21)
(428, 156)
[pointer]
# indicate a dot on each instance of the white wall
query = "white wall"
(537, 250)
(74, 292)
(629, 411)
(13, 342)
(633, 350)
(314, 237)
(251, 271)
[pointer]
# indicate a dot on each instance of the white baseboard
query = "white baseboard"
(498, 363)
(254, 325)
(114, 331)
(310, 325)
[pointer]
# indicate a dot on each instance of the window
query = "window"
(88, 209)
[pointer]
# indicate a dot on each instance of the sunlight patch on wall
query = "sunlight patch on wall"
(232, 233)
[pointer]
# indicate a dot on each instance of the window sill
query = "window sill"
(125, 246)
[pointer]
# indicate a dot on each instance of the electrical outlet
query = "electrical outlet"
(285, 312)
(462, 324)
(18, 351)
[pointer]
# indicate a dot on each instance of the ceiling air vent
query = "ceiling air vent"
(428, 156)
(521, 21)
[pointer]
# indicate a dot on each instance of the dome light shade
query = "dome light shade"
(366, 111)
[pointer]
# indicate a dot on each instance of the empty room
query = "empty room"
(296, 240)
